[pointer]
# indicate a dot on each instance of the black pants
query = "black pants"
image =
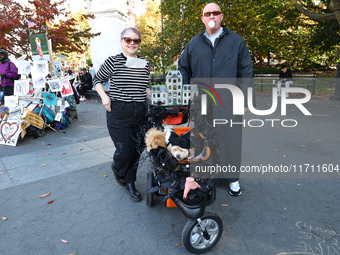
(8, 91)
(124, 123)
(81, 88)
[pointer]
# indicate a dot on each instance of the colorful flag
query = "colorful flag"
(48, 23)
(31, 24)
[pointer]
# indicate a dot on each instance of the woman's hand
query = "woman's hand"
(107, 103)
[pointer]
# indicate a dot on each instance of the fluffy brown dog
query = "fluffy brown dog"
(154, 138)
(181, 153)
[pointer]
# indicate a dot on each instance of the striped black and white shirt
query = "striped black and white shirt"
(126, 84)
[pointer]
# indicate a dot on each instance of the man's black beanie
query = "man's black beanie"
(5, 53)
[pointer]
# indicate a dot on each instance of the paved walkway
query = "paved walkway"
(276, 214)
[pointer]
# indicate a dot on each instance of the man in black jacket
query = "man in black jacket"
(219, 55)
(286, 78)
(84, 84)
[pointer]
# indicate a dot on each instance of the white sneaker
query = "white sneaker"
(82, 99)
(235, 189)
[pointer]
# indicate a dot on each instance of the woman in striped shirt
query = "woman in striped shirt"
(126, 106)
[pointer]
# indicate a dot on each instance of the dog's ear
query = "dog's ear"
(170, 135)
(169, 149)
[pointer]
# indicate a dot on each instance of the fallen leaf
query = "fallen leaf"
(177, 244)
(285, 156)
(63, 153)
(224, 204)
(11, 177)
(105, 175)
(13, 167)
(4, 218)
(303, 145)
(50, 202)
(275, 150)
(46, 195)
(48, 153)
(81, 148)
(298, 184)
(44, 165)
(64, 241)
(85, 140)
(3, 172)
(48, 144)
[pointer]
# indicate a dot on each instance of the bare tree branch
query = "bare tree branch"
(313, 15)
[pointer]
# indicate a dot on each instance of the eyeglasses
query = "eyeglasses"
(128, 40)
(215, 13)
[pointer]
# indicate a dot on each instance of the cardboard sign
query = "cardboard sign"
(9, 133)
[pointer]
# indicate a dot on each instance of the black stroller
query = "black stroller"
(167, 181)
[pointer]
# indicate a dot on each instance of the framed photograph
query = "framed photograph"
(18, 88)
(67, 88)
(11, 101)
(57, 68)
(24, 67)
(39, 47)
(55, 85)
(50, 98)
(21, 87)
(31, 89)
(40, 68)
(38, 81)
(14, 114)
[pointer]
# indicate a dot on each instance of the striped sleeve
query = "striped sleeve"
(126, 84)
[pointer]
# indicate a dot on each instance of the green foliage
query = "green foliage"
(270, 28)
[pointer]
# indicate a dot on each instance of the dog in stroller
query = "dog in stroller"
(172, 151)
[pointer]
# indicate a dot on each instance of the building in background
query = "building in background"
(111, 17)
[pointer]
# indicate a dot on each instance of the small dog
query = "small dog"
(180, 147)
(154, 138)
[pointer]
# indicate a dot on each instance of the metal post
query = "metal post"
(336, 96)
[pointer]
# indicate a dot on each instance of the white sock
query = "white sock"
(234, 186)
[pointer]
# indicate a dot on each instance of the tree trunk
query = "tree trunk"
(336, 96)
(334, 6)
(261, 61)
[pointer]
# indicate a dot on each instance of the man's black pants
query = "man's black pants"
(82, 88)
(123, 123)
(8, 91)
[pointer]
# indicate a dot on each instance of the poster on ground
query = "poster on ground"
(9, 133)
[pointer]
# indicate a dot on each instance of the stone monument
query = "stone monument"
(110, 20)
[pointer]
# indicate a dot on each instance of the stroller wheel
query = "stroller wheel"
(197, 241)
(149, 185)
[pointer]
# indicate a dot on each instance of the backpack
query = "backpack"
(19, 75)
